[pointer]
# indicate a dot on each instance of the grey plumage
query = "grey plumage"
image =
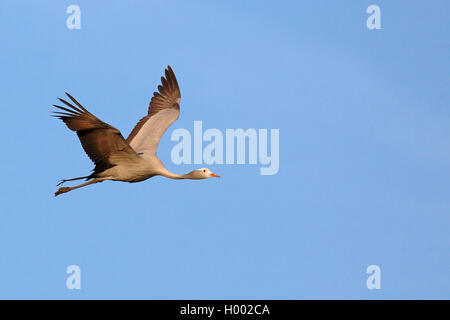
(133, 159)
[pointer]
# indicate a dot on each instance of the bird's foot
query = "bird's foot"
(61, 182)
(62, 190)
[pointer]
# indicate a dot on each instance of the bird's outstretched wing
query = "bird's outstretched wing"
(103, 143)
(164, 110)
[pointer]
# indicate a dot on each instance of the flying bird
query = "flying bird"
(132, 159)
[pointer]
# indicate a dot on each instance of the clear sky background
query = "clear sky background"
(364, 150)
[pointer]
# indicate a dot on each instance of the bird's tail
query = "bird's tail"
(65, 180)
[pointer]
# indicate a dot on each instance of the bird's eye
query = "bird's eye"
(204, 170)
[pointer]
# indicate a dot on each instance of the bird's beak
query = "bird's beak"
(214, 175)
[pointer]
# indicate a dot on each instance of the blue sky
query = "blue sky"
(364, 150)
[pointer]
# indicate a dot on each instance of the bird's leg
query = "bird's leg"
(65, 180)
(67, 189)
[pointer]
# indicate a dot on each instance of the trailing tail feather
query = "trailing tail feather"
(79, 178)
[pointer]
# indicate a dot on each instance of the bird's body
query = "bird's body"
(133, 159)
(137, 170)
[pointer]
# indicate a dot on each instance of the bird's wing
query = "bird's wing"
(164, 110)
(103, 143)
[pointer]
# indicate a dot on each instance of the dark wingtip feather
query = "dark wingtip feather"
(76, 102)
(73, 112)
(172, 79)
(70, 105)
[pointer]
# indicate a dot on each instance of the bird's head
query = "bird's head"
(202, 173)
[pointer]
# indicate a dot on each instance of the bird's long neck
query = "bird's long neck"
(171, 175)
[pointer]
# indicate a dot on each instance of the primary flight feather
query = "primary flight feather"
(133, 159)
